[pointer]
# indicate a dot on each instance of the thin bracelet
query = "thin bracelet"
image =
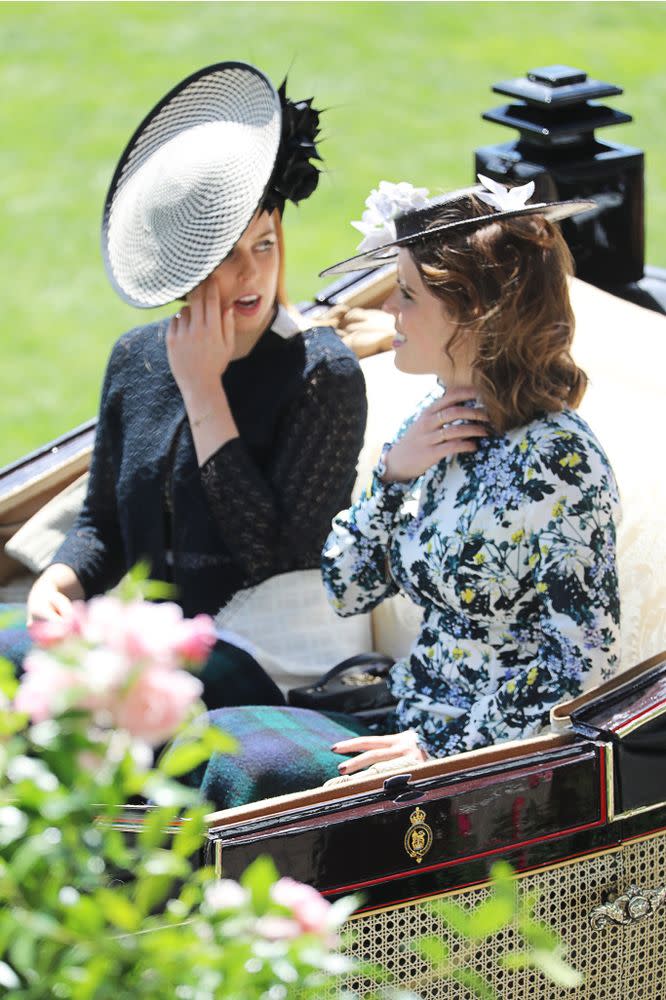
(202, 419)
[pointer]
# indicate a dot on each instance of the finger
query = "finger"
(196, 299)
(467, 413)
(454, 432)
(450, 448)
(364, 760)
(62, 605)
(229, 328)
(359, 743)
(212, 311)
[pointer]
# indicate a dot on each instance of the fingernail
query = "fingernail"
(342, 768)
(334, 747)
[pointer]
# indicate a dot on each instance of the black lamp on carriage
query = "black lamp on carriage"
(556, 116)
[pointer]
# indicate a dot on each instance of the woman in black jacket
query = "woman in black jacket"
(228, 435)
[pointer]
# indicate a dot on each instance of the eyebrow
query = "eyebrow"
(266, 232)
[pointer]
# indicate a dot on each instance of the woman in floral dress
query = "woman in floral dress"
(495, 507)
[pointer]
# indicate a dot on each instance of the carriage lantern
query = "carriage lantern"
(556, 116)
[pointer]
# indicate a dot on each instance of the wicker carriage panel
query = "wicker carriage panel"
(627, 962)
(644, 952)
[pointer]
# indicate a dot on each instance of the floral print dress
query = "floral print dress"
(511, 553)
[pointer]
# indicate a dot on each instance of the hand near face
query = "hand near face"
(200, 342)
(398, 748)
(434, 436)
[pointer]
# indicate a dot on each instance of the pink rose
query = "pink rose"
(104, 673)
(195, 637)
(150, 632)
(103, 622)
(157, 703)
(47, 686)
(309, 908)
(277, 928)
(51, 633)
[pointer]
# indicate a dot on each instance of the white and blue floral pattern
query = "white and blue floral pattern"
(511, 553)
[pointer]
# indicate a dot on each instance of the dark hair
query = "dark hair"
(505, 284)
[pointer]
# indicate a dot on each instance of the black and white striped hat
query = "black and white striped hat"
(189, 182)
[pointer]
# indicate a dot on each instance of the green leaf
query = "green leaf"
(258, 879)
(503, 879)
(8, 680)
(165, 863)
(515, 960)
(11, 723)
(191, 835)
(217, 741)
(167, 793)
(432, 948)
(537, 934)
(118, 910)
(490, 916)
(184, 757)
(155, 828)
(475, 983)
(452, 915)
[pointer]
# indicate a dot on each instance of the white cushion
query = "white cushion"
(623, 350)
(290, 628)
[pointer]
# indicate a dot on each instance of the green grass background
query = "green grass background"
(404, 84)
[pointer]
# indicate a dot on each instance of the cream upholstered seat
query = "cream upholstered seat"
(623, 350)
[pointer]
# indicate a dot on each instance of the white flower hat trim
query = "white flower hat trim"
(382, 205)
(502, 198)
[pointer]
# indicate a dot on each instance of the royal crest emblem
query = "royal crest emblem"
(418, 839)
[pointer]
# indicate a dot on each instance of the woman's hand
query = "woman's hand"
(398, 748)
(434, 435)
(50, 598)
(366, 331)
(200, 344)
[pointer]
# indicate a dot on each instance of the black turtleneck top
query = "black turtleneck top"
(262, 504)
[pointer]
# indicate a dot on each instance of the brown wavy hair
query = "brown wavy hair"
(505, 284)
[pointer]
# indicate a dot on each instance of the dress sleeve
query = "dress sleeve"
(572, 572)
(274, 521)
(354, 561)
(93, 547)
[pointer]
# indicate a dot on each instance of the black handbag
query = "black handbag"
(356, 686)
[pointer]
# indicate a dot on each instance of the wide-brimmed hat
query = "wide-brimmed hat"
(215, 149)
(398, 215)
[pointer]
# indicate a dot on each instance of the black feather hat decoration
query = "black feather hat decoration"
(295, 176)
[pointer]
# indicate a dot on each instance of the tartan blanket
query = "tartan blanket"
(280, 750)
(14, 639)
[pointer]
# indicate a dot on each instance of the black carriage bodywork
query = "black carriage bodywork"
(580, 814)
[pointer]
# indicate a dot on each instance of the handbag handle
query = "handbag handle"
(360, 660)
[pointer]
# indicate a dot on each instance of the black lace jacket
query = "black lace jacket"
(261, 505)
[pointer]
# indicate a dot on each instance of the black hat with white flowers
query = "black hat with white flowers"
(398, 215)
